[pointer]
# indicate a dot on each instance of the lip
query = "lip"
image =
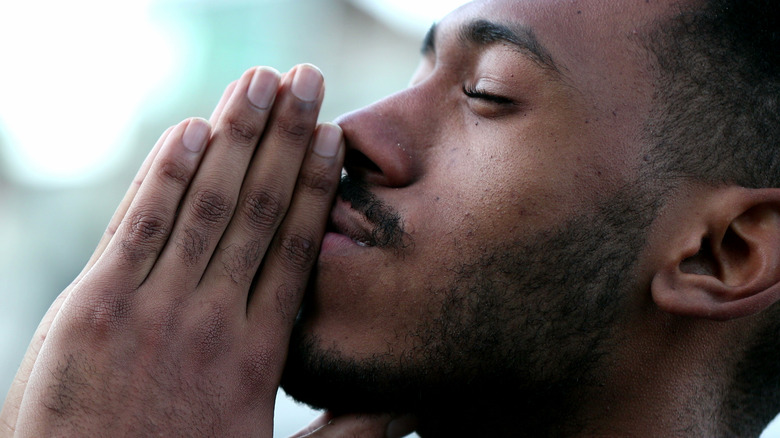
(347, 229)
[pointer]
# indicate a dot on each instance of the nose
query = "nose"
(385, 140)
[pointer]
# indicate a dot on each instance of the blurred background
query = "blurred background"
(87, 86)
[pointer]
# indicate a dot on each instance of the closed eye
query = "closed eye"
(480, 94)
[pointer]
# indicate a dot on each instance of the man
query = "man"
(567, 225)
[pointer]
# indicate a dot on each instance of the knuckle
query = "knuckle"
(298, 252)
(240, 261)
(163, 322)
(262, 209)
(145, 231)
(210, 336)
(292, 130)
(210, 207)
(288, 300)
(104, 314)
(172, 171)
(147, 226)
(241, 132)
(111, 229)
(318, 180)
(191, 246)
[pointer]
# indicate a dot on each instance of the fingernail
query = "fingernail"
(327, 141)
(262, 88)
(307, 83)
(194, 137)
(401, 426)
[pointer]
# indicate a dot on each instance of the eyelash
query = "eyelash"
(476, 93)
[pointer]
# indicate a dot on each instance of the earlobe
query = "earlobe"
(723, 260)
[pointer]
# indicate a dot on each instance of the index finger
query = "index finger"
(362, 425)
(279, 290)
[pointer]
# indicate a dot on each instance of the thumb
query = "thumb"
(362, 425)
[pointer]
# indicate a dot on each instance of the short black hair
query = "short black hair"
(716, 120)
(717, 107)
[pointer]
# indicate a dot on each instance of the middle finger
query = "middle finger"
(267, 190)
(210, 201)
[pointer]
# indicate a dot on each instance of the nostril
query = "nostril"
(356, 161)
(373, 141)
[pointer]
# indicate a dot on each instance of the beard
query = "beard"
(523, 333)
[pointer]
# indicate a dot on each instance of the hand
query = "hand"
(358, 425)
(179, 323)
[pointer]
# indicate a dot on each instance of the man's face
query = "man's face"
(488, 222)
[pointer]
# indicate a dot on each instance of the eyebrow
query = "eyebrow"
(484, 33)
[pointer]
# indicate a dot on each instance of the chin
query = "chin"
(415, 380)
(322, 373)
(325, 379)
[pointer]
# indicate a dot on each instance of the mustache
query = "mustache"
(387, 229)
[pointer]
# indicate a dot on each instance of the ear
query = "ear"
(721, 259)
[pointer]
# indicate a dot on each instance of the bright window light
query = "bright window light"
(74, 74)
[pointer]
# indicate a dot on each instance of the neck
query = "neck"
(671, 389)
(515, 413)
(673, 412)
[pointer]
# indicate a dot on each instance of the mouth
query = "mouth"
(347, 222)
(361, 219)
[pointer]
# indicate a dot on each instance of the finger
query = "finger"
(146, 225)
(121, 210)
(281, 284)
(13, 401)
(217, 113)
(268, 186)
(315, 425)
(212, 197)
(362, 425)
(14, 397)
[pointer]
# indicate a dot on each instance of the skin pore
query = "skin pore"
(520, 135)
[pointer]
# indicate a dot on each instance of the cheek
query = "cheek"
(386, 300)
(471, 201)
(497, 193)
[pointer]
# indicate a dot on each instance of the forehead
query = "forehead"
(596, 44)
(596, 26)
